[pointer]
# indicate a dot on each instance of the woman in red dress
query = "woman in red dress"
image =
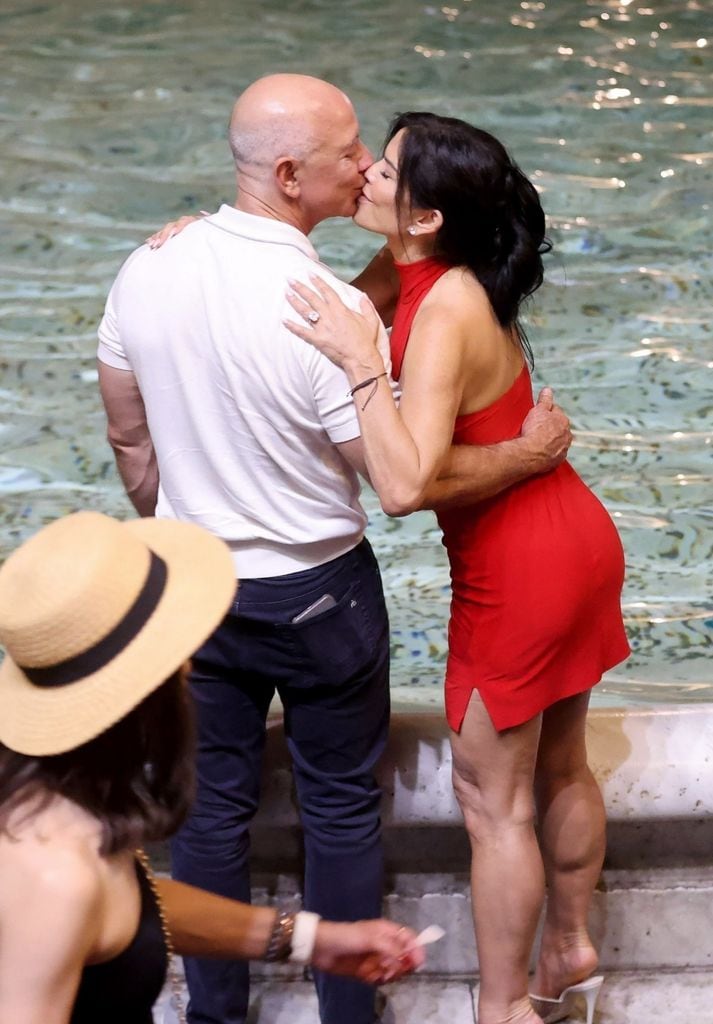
(536, 571)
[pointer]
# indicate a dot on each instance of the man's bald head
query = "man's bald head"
(297, 151)
(282, 115)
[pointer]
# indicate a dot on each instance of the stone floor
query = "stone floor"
(679, 997)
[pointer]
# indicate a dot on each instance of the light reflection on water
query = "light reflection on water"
(112, 120)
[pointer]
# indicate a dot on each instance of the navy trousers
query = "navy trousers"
(332, 675)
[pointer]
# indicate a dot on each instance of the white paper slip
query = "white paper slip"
(433, 933)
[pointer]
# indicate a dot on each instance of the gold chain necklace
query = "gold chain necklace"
(174, 979)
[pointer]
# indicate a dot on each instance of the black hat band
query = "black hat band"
(96, 657)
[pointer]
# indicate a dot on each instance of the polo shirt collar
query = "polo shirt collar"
(261, 229)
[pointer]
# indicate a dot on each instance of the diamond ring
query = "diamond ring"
(313, 316)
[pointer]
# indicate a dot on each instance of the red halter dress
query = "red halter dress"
(536, 572)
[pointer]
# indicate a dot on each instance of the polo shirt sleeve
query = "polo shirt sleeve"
(330, 385)
(110, 349)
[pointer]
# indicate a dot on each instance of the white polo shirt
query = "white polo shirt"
(243, 415)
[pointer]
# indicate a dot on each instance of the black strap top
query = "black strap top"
(123, 990)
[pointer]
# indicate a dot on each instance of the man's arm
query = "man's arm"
(472, 473)
(353, 452)
(128, 435)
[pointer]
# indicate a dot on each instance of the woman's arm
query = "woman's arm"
(404, 447)
(206, 925)
(203, 924)
(409, 457)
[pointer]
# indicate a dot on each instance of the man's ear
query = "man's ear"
(286, 176)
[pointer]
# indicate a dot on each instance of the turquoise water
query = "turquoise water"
(112, 119)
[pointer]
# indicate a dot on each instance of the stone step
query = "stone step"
(641, 920)
(674, 997)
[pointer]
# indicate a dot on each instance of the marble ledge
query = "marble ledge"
(652, 763)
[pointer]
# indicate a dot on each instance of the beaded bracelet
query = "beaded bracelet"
(280, 945)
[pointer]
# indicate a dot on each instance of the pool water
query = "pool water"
(112, 120)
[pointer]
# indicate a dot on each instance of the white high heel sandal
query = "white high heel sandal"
(552, 1010)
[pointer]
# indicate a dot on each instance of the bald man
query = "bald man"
(219, 416)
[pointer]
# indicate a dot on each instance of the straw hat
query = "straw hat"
(94, 615)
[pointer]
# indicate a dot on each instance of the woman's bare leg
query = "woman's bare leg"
(572, 838)
(493, 779)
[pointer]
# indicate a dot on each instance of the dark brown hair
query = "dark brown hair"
(136, 779)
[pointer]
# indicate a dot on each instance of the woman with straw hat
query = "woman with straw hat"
(97, 618)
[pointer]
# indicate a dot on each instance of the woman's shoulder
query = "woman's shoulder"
(49, 867)
(460, 292)
(51, 911)
(457, 299)
(52, 854)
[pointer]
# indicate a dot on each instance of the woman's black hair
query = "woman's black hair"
(493, 221)
(136, 778)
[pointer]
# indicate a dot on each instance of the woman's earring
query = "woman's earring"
(411, 230)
